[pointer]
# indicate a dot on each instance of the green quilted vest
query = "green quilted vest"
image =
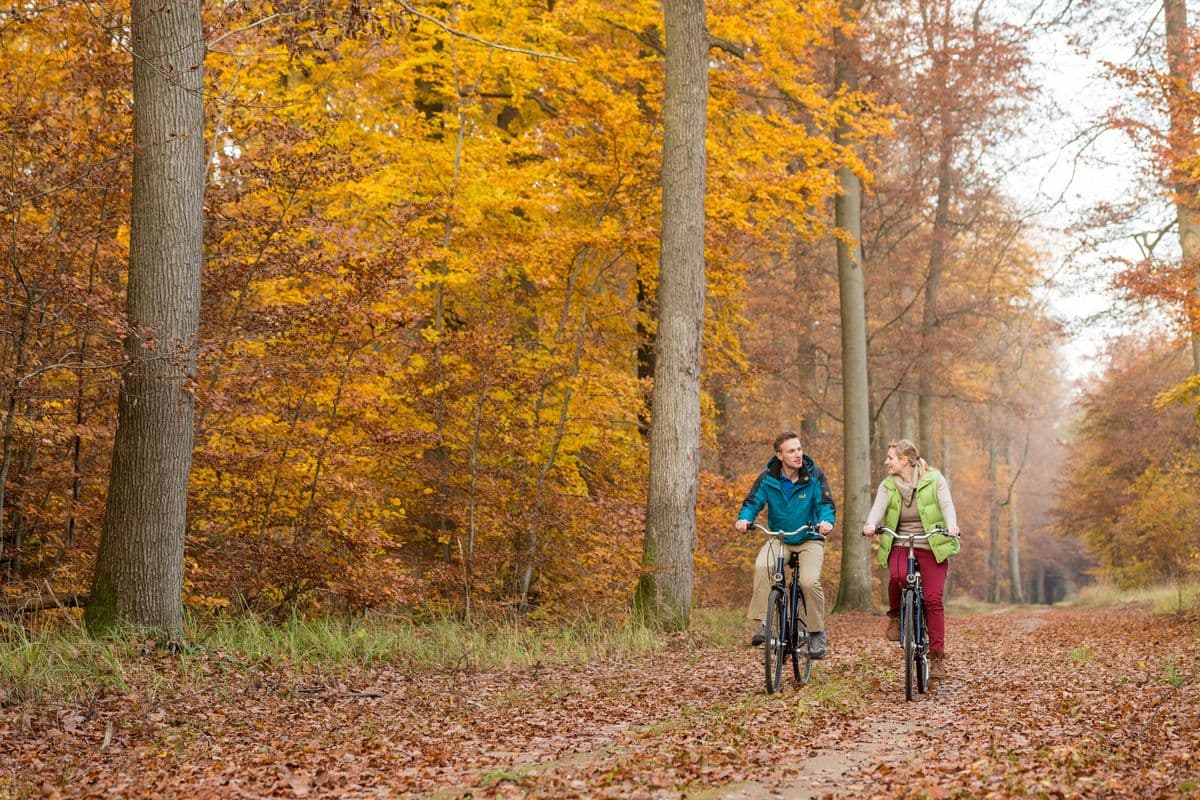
(931, 517)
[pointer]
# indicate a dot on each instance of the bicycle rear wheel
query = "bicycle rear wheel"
(798, 646)
(908, 641)
(801, 661)
(775, 646)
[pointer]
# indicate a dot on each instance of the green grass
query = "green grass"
(42, 663)
(721, 627)
(1081, 655)
(1163, 599)
(1174, 676)
(441, 643)
(64, 662)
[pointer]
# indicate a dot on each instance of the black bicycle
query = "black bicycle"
(786, 636)
(914, 633)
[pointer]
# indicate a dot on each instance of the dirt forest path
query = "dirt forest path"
(1040, 702)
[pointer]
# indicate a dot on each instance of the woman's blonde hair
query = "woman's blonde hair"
(908, 451)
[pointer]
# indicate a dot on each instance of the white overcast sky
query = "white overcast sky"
(1108, 171)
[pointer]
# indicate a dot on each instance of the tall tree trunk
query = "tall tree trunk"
(929, 319)
(806, 357)
(10, 410)
(722, 406)
(908, 417)
(645, 350)
(664, 593)
(1183, 142)
(139, 566)
(1016, 590)
(907, 425)
(854, 588)
(806, 369)
(944, 450)
(993, 513)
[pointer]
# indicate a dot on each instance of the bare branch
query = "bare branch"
(478, 40)
(726, 45)
(44, 602)
(251, 26)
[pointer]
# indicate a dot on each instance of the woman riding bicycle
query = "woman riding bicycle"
(915, 498)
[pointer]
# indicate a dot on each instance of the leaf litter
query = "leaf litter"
(1040, 703)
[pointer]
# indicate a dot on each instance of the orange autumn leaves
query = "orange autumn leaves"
(421, 310)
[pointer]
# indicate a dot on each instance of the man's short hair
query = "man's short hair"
(783, 437)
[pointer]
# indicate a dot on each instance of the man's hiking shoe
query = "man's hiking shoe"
(892, 634)
(759, 636)
(818, 645)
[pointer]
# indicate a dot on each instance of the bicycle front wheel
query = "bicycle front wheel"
(908, 641)
(921, 636)
(775, 646)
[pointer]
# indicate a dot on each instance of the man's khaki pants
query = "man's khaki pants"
(812, 558)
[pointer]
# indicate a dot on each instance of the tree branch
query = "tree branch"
(724, 44)
(478, 40)
(212, 45)
(43, 602)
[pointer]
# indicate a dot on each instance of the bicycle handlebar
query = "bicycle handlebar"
(916, 537)
(809, 529)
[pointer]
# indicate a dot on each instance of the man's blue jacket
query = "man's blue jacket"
(811, 502)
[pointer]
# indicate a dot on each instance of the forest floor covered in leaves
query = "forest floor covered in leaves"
(1040, 702)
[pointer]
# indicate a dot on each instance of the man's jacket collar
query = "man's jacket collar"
(775, 468)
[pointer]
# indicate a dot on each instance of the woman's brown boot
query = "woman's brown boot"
(937, 666)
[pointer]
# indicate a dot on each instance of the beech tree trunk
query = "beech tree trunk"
(1179, 53)
(1016, 589)
(139, 566)
(806, 355)
(664, 593)
(908, 417)
(944, 449)
(993, 513)
(929, 319)
(854, 588)
(645, 349)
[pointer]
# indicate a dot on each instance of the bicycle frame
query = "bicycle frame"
(793, 599)
(913, 597)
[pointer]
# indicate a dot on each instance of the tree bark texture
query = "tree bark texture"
(929, 320)
(806, 359)
(1016, 589)
(908, 416)
(664, 593)
(854, 589)
(1179, 53)
(993, 514)
(645, 349)
(139, 567)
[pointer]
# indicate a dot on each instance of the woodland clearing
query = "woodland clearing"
(1041, 702)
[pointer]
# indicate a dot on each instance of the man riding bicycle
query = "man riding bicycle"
(796, 493)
